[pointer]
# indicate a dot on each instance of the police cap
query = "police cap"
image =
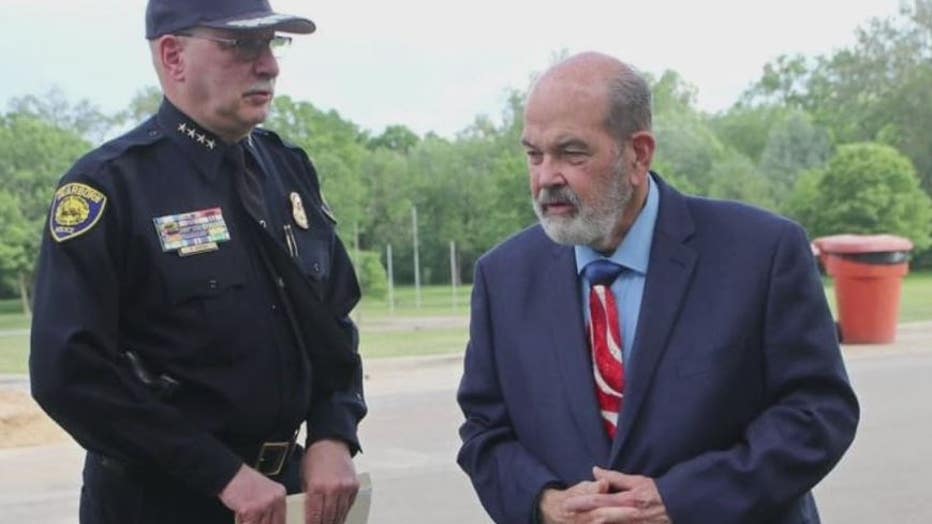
(169, 16)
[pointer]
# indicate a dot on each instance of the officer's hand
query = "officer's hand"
(329, 481)
(254, 498)
(552, 501)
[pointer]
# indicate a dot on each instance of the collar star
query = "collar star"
(193, 132)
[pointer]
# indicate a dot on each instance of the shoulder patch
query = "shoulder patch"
(75, 210)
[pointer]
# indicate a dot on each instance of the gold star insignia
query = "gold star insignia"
(200, 138)
(182, 127)
(210, 144)
(191, 132)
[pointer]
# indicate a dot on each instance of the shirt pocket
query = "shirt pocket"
(207, 304)
(314, 251)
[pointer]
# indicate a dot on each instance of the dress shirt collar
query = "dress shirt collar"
(634, 251)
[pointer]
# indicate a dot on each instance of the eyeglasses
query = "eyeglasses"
(248, 49)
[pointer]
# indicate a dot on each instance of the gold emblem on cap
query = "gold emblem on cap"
(297, 210)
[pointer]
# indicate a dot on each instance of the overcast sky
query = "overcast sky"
(435, 64)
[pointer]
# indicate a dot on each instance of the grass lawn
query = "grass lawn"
(435, 301)
(13, 353)
(437, 327)
(412, 343)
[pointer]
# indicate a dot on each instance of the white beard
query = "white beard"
(593, 224)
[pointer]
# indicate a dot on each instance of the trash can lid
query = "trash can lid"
(851, 244)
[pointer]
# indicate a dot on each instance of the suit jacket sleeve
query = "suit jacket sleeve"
(810, 415)
(507, 478)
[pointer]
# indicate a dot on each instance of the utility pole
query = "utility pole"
(417, 262)
(391, 279)
(453, 272)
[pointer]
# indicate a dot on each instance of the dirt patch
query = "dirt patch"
(23, 423)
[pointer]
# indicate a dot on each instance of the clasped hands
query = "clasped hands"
(612, 497)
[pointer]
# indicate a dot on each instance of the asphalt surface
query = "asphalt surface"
(410, 444)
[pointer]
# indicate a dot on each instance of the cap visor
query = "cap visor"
(276, 21)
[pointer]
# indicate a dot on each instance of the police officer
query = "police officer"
(192, 301)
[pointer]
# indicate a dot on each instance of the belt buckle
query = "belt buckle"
(272, 457)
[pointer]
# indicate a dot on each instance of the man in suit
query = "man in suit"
(641, 355)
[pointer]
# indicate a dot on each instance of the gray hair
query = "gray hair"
(629, 104)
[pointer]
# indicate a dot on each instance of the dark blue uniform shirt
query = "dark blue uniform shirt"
(150, 249)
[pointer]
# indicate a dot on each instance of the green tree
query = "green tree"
(868, 189)
(879, 89)
(794, 144)
(747, 128)
(396, 138)
(734, 177)
(372, 277)
(144, 104)
(17, 247)
(34, 154)
(83, 117)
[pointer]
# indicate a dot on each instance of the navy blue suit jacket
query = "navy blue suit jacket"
(737, 402)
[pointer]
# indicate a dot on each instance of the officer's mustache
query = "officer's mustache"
(261, 87)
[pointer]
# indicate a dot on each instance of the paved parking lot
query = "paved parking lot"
(410, 442)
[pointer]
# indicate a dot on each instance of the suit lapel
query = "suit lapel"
(567, 330)
(668, 276)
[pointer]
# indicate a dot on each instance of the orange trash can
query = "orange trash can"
(868, 271)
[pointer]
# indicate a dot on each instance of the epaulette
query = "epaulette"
(275, 137)
(143, 135)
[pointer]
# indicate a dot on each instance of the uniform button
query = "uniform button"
(212, 284)
(274, 307)
(316, 267)
(153, 132)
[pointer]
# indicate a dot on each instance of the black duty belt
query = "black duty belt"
(268, 458)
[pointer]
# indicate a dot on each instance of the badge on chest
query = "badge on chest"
(192, 232)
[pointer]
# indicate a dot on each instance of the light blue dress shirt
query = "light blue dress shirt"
(634, 255)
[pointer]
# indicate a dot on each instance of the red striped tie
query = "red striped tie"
(605, 341)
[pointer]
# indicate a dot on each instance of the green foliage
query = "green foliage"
(880, 89)
(868, 189)
(746, 128)
(53, 108)
(372, 277)
(794, 144)
(734, 177)
(770, 149)
(17, 242)
(396, 138)
(144, 104)
(34, 154)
